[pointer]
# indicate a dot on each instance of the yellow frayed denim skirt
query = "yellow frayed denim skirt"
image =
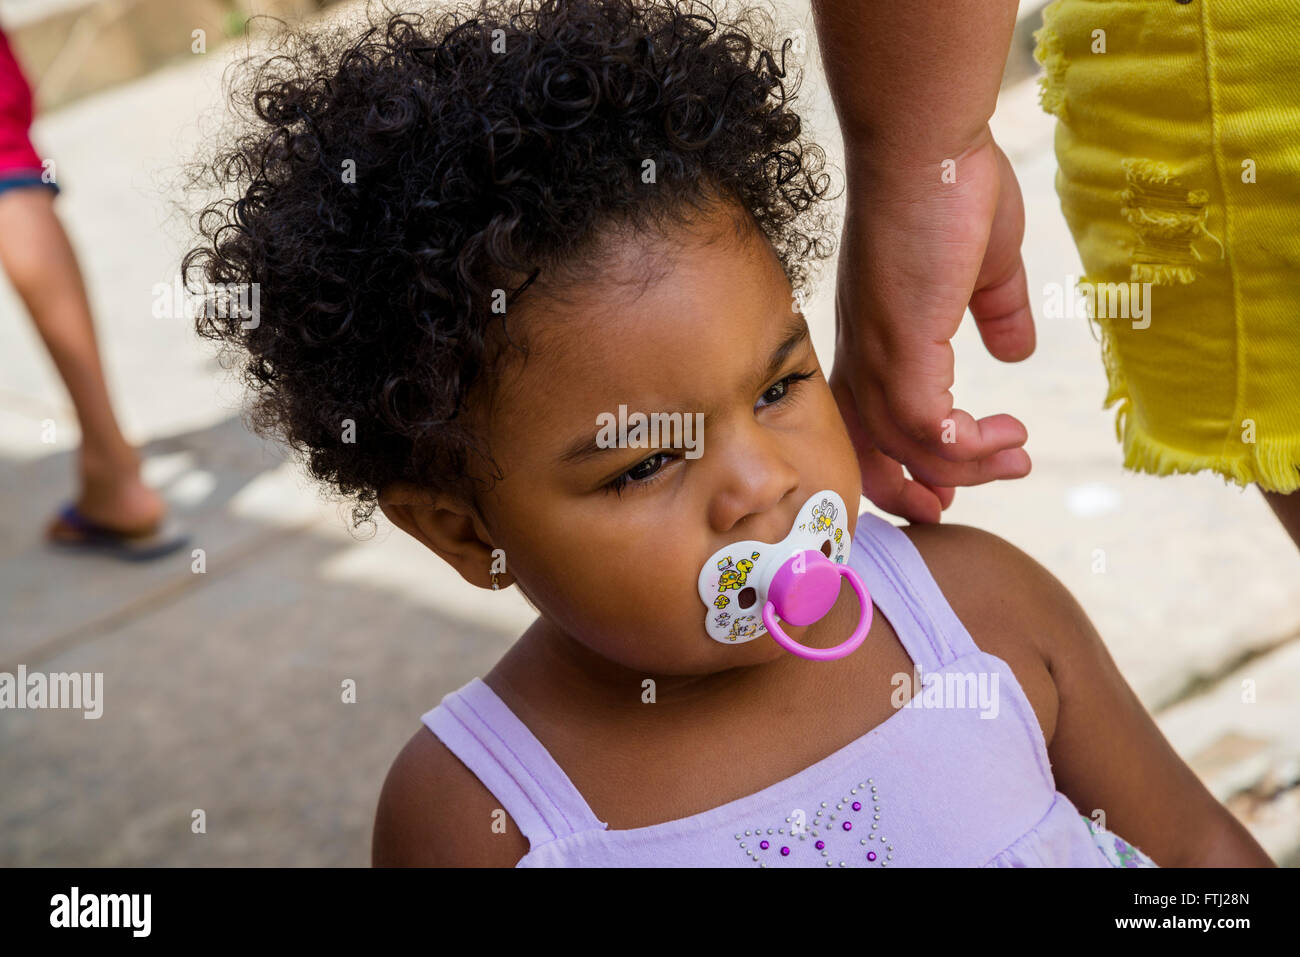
(1178, 149)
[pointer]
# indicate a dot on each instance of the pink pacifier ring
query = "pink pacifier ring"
(824, 654)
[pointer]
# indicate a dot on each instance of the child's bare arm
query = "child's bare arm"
(1108, 753)
(433, 812)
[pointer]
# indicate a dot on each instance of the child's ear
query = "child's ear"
(444, 523)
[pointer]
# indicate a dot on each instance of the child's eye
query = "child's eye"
(637, 475)
(781, 390)
(649, 471)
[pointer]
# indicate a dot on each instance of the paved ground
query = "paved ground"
(222, 689)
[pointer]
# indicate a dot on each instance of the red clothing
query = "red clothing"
(17, 155)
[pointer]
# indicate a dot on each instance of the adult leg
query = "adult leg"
(40, 262)
(1287, 509)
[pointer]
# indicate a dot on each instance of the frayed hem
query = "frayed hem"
(1272, 464)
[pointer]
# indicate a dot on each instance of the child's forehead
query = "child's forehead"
(637, 319)
(691, 329)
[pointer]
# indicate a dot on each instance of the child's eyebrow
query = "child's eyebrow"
(794, 334)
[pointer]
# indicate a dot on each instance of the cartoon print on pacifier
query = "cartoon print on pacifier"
(744, 628)
(796, 580)
(733, 576)
(824, 515)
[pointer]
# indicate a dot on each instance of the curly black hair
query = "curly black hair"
(389, 178)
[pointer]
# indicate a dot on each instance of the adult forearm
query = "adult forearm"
(914, 77)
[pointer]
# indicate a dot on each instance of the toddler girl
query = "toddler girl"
(481, 234)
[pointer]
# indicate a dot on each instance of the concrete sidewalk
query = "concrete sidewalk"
(223, 688)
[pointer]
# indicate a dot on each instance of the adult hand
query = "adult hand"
(916, 252)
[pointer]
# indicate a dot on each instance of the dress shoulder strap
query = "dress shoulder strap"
(481, 730)
(902, 586)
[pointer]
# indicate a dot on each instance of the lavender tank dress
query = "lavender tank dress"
(930, 787)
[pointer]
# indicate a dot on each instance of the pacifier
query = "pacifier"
(748, 585)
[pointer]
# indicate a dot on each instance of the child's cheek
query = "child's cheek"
(841, 458)
(659, 608)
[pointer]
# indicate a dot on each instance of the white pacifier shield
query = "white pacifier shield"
(743, 571)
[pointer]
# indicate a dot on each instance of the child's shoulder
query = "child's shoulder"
(434, 812)
(1012, 606)
(980, 569)
(1106, 750)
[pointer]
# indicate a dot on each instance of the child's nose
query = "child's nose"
(751, 474)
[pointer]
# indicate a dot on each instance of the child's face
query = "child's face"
(715, 333)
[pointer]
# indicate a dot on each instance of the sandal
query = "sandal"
(82, 534)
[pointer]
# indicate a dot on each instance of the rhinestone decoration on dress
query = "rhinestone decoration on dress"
(845, 835)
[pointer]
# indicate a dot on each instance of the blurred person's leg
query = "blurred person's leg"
(1287, 510)
(38, 259)
(115, 510)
